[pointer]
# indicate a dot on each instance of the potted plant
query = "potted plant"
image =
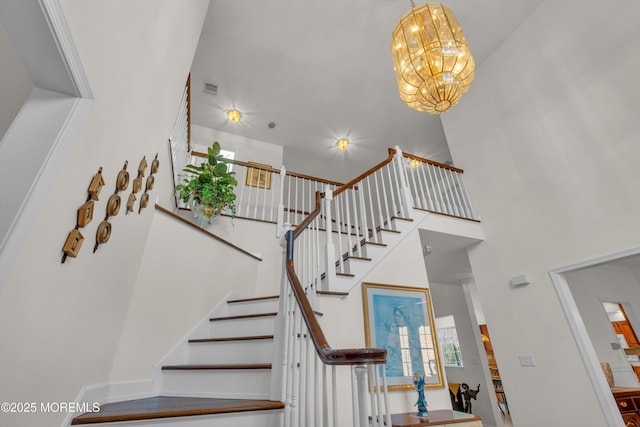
(208, 188)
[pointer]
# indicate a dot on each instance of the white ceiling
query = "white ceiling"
(323, 70)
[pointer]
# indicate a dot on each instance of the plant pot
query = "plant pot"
(203, 214)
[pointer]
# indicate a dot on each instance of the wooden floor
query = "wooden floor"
(167, 407)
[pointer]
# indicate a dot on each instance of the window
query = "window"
(448, 340)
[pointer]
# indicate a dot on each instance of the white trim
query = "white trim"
(29, 209)
(62, 141)
(581, 335)
(52, 11)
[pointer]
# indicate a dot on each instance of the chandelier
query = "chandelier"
(432, 61)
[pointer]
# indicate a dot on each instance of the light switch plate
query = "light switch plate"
(526, 360)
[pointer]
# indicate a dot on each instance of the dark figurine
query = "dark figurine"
(468, 394)
(418, 382)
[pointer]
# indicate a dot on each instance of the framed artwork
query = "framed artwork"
(400, 320)
(258, 177)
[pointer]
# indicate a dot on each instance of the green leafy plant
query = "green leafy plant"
(210, 184)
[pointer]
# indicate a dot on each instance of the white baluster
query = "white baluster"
(453, 193)
(239, 201)
(424, 186)
(361, 382)
(348, 216)
(393, 185)
(336, 203)
(325, 397)
(375, 226)
(330, 266)
(372, 397)
(385, 390)
(407, 202)
(355, 402)
(437, 194)
(280, 213)
(472, 213)
(334, 398)
(264, 193)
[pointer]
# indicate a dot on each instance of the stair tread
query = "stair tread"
(361, 258)
(231, 301)
(374, 244)
(243, 316)
(226, 339)
(401, 218)
(333, 293)
(388, 230)
(345, 274)
(169, 406)
(214, 367)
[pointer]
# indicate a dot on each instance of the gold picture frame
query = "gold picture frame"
(400, 320)
(256, 177)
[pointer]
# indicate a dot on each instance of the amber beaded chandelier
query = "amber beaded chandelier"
(432, 61)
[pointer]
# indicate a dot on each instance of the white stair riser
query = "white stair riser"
(374, 251)
(242, 327)
(243, 419)
(250, 351)
(251, 307)
(390, 238)
(356, 266)
(231, 383)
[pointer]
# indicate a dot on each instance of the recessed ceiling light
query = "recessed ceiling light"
(234, 115)
(342, 143)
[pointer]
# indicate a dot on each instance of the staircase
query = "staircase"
(225, 378)
(257, 348)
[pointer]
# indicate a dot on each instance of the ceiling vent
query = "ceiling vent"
(210, 88)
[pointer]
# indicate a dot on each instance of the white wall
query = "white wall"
(246, 149)
(451, 300)
(15, 84)
(547, 138)
(60, 323)
(589, 288)
(183, 275)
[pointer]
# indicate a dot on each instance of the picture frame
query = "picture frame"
(256, 177)
(400, 320)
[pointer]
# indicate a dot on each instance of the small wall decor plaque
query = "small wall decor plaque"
(144, 199)
(84, 215)
(96, 186)
(113, 207)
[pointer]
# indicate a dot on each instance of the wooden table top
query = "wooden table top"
(437, 417)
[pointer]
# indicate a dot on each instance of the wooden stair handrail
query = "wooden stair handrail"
(432, 162)
(362, 176)
(355, 356)
(328, 355)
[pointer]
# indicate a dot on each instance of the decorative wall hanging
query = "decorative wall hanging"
(137, 185)
(131, 202)
(400, 319)
(113, 207)
(96, 186)
(257, 177)
(144, 199)
(74, 241)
